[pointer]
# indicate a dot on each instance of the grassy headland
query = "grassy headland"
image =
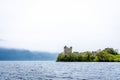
(105, 55)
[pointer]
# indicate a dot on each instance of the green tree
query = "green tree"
(110, 51)
(103, 56)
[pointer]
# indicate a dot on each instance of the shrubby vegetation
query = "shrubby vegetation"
(106, 55)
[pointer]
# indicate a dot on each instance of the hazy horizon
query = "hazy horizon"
(49, 25)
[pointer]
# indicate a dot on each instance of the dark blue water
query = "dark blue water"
(50, 70)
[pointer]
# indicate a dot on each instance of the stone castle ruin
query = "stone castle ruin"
(67, 50)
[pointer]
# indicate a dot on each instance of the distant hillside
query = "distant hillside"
(16, 54)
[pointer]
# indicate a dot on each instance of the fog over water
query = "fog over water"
(48, 25)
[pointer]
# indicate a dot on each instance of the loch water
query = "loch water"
(51, 70)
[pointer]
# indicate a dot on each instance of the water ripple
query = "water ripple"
(50, 70)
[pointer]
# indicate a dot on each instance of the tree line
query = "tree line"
(105, 55)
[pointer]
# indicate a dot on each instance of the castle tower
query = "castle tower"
(67, 50)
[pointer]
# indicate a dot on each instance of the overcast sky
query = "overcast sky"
(48, 25)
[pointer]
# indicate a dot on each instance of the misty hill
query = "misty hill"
(16, 54)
